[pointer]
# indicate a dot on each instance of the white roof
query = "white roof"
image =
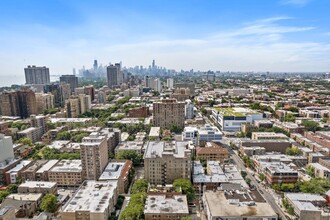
(93, 196)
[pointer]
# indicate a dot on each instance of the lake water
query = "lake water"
(8, 80)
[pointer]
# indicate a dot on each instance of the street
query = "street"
(267, 196)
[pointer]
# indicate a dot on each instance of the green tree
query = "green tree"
(25, 141)
(203, 111)
(3, 195)
(49, 203)
(244, 174)
(186, 187)
(315, 185)
(12, 188)
(262, 177)
(64, 135)
(130, 155)
(186, 218)
(135, 208)
(310, 171)
(176, 129)
(248, 181)
(311, 125)
(140, 185)
(293, 151)
(289, 117)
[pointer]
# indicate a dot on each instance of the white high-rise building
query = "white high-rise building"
(6, 148)
(189, 109)
(170, 83)
(157, 85)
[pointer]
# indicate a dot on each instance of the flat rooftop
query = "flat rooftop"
(70, 120)
(20, 166)
(130, 145)
(47, 166)
(232, 204)
(58, 144)
(236, 111)
(92, 196)
(25, 197)
(67, 166)
(154, 132)
(176, 204)
(35, 184)
(158, 148)
(112, 171)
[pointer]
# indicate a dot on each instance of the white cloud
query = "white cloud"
(260, 45)
(299, 3)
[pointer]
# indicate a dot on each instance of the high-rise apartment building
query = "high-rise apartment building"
(39, 121)
(72, 80)
(94, 155)
(165, 162)
(44, 101)
(6, 146)
(37, 75)
(114, 75)
(61, 93)
(170, 83)
(20, 103)
(169, 112)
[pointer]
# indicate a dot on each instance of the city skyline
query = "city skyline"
(276, 36)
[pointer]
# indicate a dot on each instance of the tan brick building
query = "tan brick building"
(94, 155)
(168, 112)
(166, 161)
(212, 153)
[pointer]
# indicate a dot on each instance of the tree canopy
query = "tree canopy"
(130, 155)
(49, 203)
(186, 187)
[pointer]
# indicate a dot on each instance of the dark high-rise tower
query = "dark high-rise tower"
(114, 75)
(70, 79)
(95, 65)
(37, 75)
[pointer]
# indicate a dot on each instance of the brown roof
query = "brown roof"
(211, 150)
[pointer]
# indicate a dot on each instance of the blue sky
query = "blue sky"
(227, 35)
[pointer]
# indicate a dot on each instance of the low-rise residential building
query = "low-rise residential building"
(269, 145)
(154, 133)
(32, 133)
(163, 207)
(37, 187)
(212, 153)
(238, 206)
(136, 146)
(120, 171)
(25, 204)
(13, 174)
(308, 206)
(200, 135)
(289, 127)
(7, 213)
(94, 200)
(320, 171)
(231, 119)
(166, 161)
(29, 174)
(66, 173)
(42, 173)
(268, 136)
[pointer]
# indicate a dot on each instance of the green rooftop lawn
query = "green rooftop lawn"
(230, 112)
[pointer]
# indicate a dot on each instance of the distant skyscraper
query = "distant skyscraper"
(95, 65)
(153, 64)
(146, 80)
(114, 75)
(74, 71)
(70, 79)
(37, 75)
(170, 83)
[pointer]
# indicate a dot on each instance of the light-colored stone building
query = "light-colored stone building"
(94, 155)
(166, 161)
